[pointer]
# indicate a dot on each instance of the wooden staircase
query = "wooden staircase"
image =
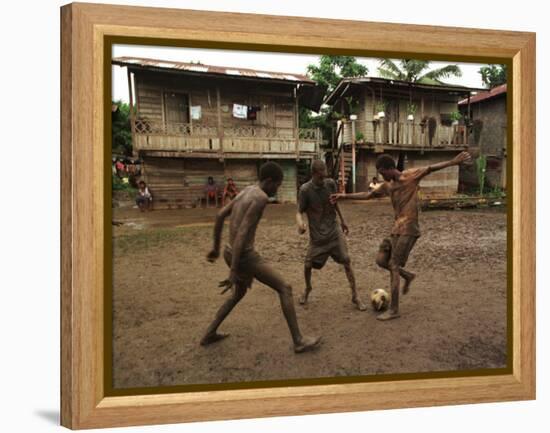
(344, 154)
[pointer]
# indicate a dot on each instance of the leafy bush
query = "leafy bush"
(380, 106)
(352, 105)
(456, 116)
(119, 185)
(121, 131)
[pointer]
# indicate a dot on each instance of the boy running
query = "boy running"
(402, 187)
(245, 263)
(326, 239)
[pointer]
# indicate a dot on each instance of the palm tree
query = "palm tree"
(412, 71)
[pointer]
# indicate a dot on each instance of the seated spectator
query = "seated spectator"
(211, 192)
(120, 168)
(131, 168)
(230, 191)
(144, 198)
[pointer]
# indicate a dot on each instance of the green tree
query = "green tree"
(120, 129)
(329, 72)
(493, 75)
(332, 69)
(415, 71)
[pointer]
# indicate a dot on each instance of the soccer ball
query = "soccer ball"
(380, 299)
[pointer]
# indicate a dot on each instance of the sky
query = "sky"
(276, 62)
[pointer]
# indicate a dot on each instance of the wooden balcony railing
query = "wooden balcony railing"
(150, 127)
(158, 135)
(407, 134)
(196, 129)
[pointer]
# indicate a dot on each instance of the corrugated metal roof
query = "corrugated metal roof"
(340, 88)
(210, 69)
(495, 91)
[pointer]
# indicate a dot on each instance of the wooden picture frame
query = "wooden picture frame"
(85, 29)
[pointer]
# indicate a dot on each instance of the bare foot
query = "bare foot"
(360, 305)
(408, 281)
(303, 297)
(307, 344)
(212, 338)
(388, 315)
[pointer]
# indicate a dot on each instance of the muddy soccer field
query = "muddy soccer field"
(165, 294)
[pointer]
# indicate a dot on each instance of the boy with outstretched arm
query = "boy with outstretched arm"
(402, 187)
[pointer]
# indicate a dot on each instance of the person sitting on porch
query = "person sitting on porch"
(211, 192)
(230, 191)
(144, 198)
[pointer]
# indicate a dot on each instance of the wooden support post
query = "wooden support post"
(190, 117)
(366, 117)
(220, 124)
(332, 138)
(353, 155)
(132, 115)
(426, 129)
(342, 186)
(296, 124)
(318, 138)
(163, 111)
(466, 134)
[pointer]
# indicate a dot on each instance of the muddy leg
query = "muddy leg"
(351, 279)
(382, 260)
(408, 277)
(269, 277)
(307, 290)
(211, 335)
(393, 312)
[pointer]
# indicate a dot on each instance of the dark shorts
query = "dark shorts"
(142, 200)
(250, 267)
(317, 255)
(396, 249)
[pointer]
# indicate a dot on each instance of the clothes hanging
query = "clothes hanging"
(253, 111)
(196, 112)
(240, 111)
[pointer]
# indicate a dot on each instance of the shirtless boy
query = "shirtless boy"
(326, 239)
(402, 187)
(245, 263)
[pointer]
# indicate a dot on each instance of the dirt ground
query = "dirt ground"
(165, 294)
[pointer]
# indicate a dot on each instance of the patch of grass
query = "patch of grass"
(496, 192)
(151, 238)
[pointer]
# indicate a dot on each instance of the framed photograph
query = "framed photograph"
(351, 203)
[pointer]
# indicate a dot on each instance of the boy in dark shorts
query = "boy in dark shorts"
(245, 263)
(326, 239)
(402, 187)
